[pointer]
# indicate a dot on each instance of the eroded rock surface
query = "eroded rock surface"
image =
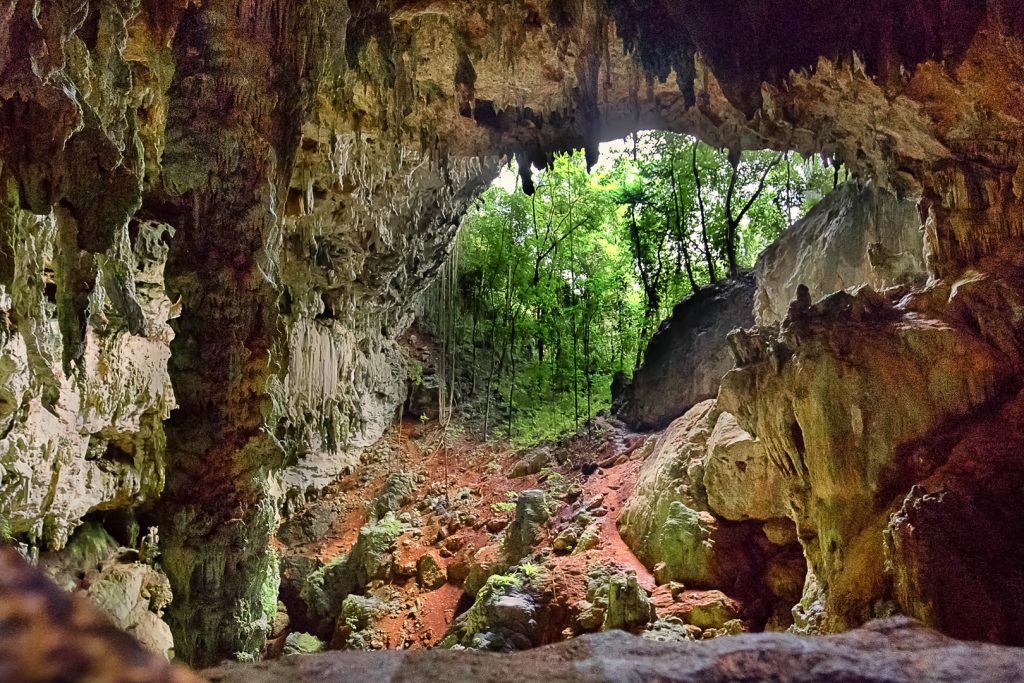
(51, 635)
(891, 651)
(856, 235)
(308, 162)
(698, 514)
(849, 388)
(686, 358)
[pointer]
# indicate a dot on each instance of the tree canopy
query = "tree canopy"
(551, 295)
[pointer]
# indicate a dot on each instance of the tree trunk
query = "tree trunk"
(712, 276)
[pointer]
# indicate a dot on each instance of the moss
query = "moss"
(475, 621)
(302, 643)
(684, 545)
(271, 585)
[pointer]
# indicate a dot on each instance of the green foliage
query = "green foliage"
(555, 294)
(508, 505)
(415, 370)
(271, 585)
(531, 571)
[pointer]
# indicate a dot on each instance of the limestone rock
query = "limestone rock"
(135, 597)
(356, 624)
(429, 572)
(72, 445)
(324, 590)
(628, 605)
(687, 357)
(843, 389)
(132, 594)
(713, 610)
(531, 513)
(961, 522)
(741, 482)
(889, 651)
(396, 492)
(51, 635)
(674, 471)
(302, 644)
(505, 616)
(855, 235)
(666, 522)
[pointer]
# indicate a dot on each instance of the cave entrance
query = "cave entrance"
(551, 296)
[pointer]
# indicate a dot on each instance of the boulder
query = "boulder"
(628, 605)
(531, 513)
(856, 235)
(686, 358)
(741, 482)
(357, 625)
(429, 572)
(506, 615)
(302, 644)
(132, 594)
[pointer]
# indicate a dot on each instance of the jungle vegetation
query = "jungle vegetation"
(547, 297)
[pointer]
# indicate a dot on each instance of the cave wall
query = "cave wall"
(301, 166)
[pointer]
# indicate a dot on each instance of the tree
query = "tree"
(557, 290)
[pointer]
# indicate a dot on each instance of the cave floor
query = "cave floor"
(594, 473)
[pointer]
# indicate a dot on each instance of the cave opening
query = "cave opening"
(260, 396)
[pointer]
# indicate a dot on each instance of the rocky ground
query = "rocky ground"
(513, 549)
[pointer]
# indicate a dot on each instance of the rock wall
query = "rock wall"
(86, 436)
(687, 356)
(856, 235)
(710, 511)
(844, 396)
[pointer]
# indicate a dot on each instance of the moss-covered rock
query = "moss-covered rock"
(505, 616)
(302, 644)
(429, 572)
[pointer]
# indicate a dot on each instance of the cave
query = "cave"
(219, 217)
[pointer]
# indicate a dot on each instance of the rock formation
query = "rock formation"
(297, 171)
(890, 651)
(50, 635)
(686, 358)
(711, 511)
(856, 235)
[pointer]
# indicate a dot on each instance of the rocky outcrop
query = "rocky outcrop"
(952, 545)
(707, 511)
(687, 356)
(51, 635)
(87, 435)
(890, 651)
(858, 234)
(843, 396)
(121, 582)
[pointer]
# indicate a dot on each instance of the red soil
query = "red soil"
(483, 469)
